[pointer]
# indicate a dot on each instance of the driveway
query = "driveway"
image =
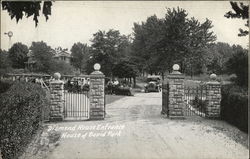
(135, 129)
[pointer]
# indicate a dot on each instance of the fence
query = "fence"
(72, 97)
(76, 101)
(179, 101)
(196, 100)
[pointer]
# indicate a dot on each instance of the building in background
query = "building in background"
(62, 55)
(59, 54)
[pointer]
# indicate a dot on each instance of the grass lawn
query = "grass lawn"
(111, 98)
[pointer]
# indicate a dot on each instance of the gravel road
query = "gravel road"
(135, 129)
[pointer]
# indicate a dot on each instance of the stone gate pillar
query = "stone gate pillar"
(213, 97)
(97, 104)
(176, 93)
(56, 98)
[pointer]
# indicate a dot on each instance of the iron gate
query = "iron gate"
(76, 101)
(196, 100)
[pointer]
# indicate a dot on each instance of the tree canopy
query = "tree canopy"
(159, 43)
(43, 56)
(108, 49)
(238, 64)
(17, 9)
(5, 63)
(80, 53)
(240, 11)
(18, 55)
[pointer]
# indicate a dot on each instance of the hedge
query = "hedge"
(21, 109)
(123, 91)
(234, 106)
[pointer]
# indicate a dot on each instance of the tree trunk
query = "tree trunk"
(134, 78)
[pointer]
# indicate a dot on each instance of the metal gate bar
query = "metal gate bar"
(76, 104)
(195, 99)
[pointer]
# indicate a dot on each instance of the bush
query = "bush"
(238, 64)
(21, 110)
(234, 106)
(5, 85)
(123, 91)
(62, 67)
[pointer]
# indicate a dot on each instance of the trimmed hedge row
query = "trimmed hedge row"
(21, 109)
(234, 106)
(123, 91)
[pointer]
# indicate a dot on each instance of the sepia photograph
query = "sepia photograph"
(124, 79)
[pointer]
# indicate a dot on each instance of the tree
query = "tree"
(159, 43)
(238, 64)
(80, 54)
(5, 63)
(124, 69)
(145, 46)
(216, 56)
(240, 11)
(43, 56)
(62, 67)
(18, 55)
(108, 48)
(17, 9)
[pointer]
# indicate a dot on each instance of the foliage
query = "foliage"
(123, 91)
(5, 85)
(20, 116)
(62, 67)
(159, 43)
(124, 69)
(17, 9)
(240, 11)
(216, 56)
(80, 55)
(5, 63)
(238, 64)
(234, 106)
(18, 55)
(200, 104)
(108, 48)
(43, 56)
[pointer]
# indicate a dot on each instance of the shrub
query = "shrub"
(20, 116)
(199, 103)
(238, 64)
(123, 91)
(234, 106)
(4, 86)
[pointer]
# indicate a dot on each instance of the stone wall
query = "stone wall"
(97, 95)
(214, 99)
(56, 100)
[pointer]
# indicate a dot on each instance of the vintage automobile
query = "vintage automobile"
(153, 84)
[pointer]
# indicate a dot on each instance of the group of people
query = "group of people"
(112, 85)
(77, 85)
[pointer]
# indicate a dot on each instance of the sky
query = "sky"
(77, 21)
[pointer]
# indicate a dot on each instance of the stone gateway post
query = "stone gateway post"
(97, 94)
(93, 103)
(213, 97)
(179, 102)
(56, 98)
(175, 93)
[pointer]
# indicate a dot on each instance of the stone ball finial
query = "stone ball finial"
(176, 67)
(57, 76)
(97, 67)
(213, 76)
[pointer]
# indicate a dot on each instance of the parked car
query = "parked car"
(153, 84)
